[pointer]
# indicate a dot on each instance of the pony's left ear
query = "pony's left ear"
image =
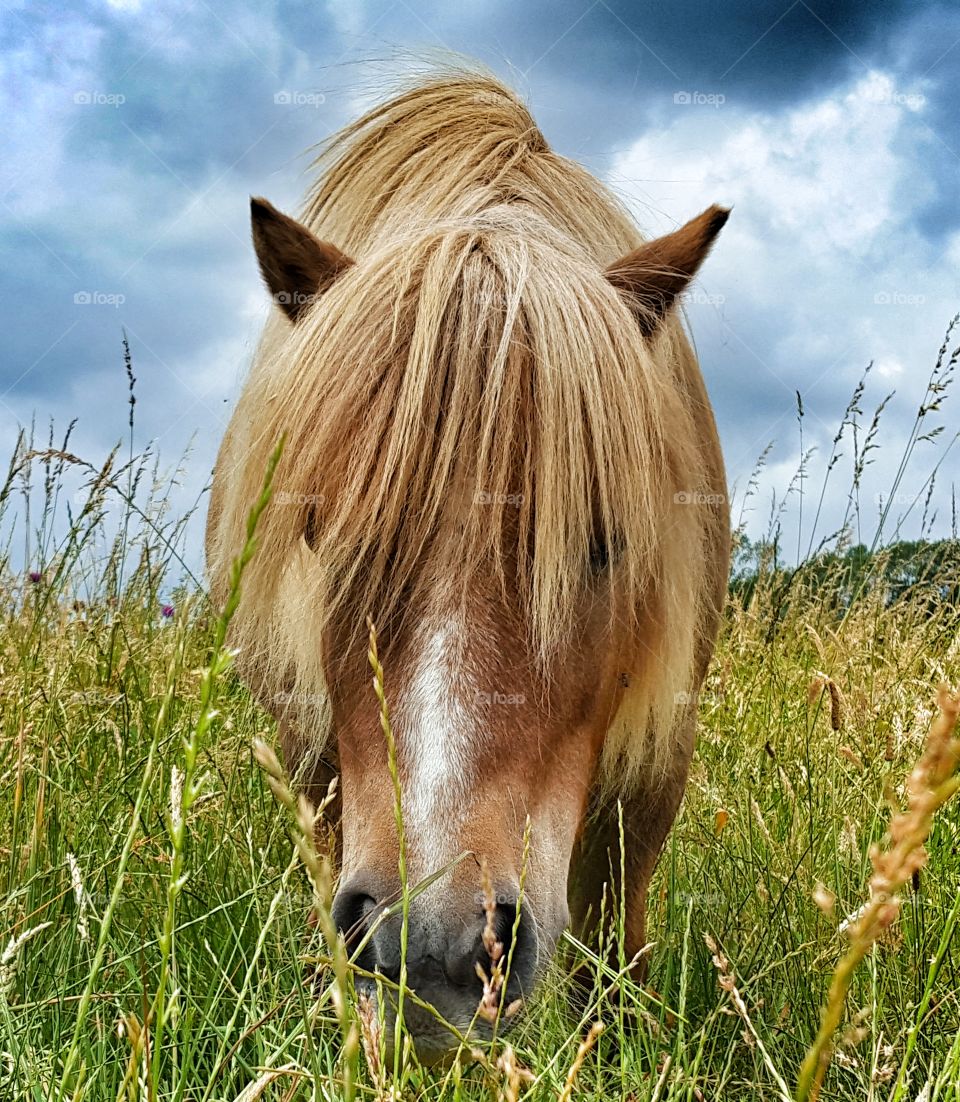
(654, 275)
(296, 266)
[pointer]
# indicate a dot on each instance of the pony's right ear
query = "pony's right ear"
(296, 266)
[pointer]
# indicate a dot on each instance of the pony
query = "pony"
(500, 448)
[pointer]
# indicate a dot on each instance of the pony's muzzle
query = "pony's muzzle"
(452, 943)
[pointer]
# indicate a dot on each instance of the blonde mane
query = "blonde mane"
(475, 348)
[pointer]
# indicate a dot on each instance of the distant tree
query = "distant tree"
(910, 570)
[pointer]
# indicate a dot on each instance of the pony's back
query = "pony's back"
(455, 145)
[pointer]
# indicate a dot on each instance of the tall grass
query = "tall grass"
(164, 914)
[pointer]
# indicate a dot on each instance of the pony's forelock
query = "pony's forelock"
(415, 398)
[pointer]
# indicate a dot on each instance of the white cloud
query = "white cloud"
(820, 268)
(38, 110)
(349, 16)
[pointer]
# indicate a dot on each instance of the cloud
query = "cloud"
(820, 270)
(137, 131)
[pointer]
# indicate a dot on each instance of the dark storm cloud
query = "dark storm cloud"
(927, 55)
(198, 95)
(611, 65)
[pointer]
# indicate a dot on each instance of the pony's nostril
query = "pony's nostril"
(508, 916)
(522, 944)
(352, 911)
(510, 939)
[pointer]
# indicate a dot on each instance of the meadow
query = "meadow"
(159, 906)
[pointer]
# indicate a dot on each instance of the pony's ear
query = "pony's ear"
(656, 273)
(296, 266)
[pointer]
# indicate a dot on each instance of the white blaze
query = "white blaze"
(437, 745)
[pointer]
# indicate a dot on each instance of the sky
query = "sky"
(135, 131)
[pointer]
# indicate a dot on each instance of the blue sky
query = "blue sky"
(135, 131)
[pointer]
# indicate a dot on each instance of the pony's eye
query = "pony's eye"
(599, 556)
(310, 532)
(605, 551)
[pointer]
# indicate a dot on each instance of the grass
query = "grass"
(163, 907)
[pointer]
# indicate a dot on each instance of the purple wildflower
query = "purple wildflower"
(167, 611)
(35, 576)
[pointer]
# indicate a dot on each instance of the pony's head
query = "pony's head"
(491, 450)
